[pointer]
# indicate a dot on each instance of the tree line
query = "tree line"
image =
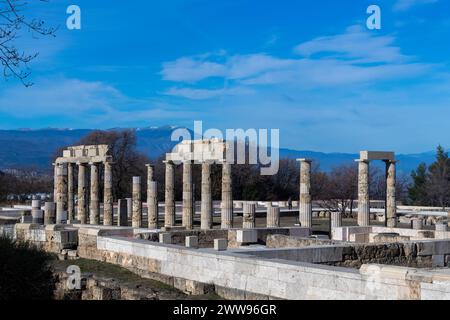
(334, 190)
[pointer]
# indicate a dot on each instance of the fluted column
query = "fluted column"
(49, 213)
(152, 198)
(336, 219)
(150, 172)
(137, 203)
(169, 214)
(188, 214)
(248, 217)
(305, 206)
(227, 197)
(363, 193)
(206, 205)
(81, 208)
(94, 204)
(70, 192)
(37, 215)
(391, 208)
(152, 205)
(55, 182)
(108, 209)
(273, 216)
(61, 193)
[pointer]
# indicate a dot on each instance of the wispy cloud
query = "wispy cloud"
(95, 104)
(201, 94)
(353, 57)
(404, 5)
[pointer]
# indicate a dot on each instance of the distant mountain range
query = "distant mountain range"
(26, 147)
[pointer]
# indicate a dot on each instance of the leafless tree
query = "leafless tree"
(14, 24)
(340, 188)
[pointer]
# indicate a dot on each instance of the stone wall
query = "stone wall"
(234, 272)
(254, 273)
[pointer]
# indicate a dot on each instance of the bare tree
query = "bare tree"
(339, 190)
(13, 24)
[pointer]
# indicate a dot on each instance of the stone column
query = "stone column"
(150, 172)
(37, 214)
(363, 193)
(49, 213)
(70, 193)
(248, 217)
(391, 207)
(152, 205)
(336, 219)
(81, 209)
(129, 207)
(206, 205)
(305, 206)
(188, 214)
(136, 218)
(61, 193)
(227, 197)
(169, 214)
(108, 205)
(94, 205)
(55, 179)
(122, 213)
(273, 217)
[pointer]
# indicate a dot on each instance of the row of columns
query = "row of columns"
(64, 194)
(188, 210)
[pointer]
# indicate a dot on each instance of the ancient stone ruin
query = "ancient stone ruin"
(254, 250)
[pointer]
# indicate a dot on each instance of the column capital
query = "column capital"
(391, 161)
(150, 165)
(168, 162)
(304, 160)
(362, 160)
(91, 163)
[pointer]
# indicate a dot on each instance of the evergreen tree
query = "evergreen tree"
(438, 185)
(417, 192)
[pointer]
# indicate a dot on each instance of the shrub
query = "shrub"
(25, 272)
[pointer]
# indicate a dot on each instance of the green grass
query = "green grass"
(126, 277)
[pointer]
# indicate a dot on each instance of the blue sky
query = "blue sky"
(310, 68)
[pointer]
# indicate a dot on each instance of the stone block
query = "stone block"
(192, 242)
(247, 236)
(165, 238)
(220, 244)
(417, 224)
(377, 155)
(438, 260)
(299, 232)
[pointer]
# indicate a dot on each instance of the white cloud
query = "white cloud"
(191, 70)
(403, 5)
(353, 57)
(357, 44)
(94, 104)
(201, 94)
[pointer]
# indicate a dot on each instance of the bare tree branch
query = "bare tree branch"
(13, 23)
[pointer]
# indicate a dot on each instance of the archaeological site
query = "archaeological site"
(234, 248)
